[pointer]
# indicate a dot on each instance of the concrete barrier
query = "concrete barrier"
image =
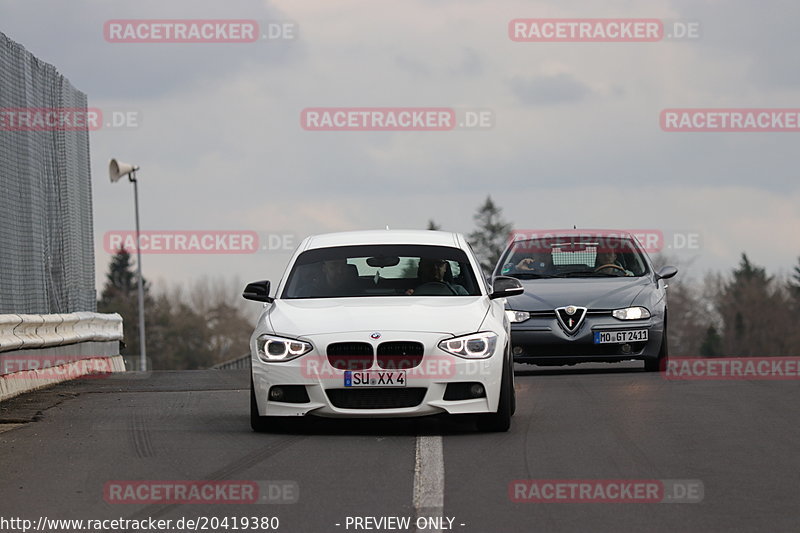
(27, 380)
(8, 323)
(40, 331)
(41, 350)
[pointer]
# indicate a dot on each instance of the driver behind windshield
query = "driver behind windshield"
(606, 263)
(431, 274)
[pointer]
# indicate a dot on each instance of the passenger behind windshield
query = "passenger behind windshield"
(534, 263)
(334, 278)
(538, 263)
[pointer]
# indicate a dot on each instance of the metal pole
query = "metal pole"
(142, 348)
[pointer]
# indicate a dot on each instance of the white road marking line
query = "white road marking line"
(429, 478)
(9, 427)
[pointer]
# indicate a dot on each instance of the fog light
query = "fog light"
(517, 350)
(276, 394)
(626, 348)
(467, 390)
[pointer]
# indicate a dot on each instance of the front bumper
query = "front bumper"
(542, 341)
(423, 394)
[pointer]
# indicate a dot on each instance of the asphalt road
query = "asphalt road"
(60, 447)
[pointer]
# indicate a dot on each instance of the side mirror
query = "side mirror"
(666, 272)
(257, 291)
(505, 286)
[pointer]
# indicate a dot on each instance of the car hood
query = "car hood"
(454, 315)
(593, 293)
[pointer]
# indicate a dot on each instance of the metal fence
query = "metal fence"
(240, 363)
(46, 238)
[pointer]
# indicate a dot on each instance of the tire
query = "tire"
(513, 389)
(655, 364)
(258, 423)
(501, 420)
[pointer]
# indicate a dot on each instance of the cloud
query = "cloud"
(575, 140)
(549, 90)
(70, 36)
(759, 36)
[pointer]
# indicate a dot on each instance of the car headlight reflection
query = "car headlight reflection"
(631, 313)
(517, 316)
(276, 349)
(474, 346)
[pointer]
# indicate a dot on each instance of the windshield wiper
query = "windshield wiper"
(588, 273)
(531, 275)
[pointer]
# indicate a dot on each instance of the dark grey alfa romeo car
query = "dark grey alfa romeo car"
(590, 296)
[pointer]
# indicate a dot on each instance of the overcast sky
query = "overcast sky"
(576, 137)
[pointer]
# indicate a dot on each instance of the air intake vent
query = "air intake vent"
(399, 355)
(368, 398)
(350, 355)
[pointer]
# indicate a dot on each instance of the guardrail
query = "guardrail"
(22, 332)
(240, 363)
(41, 350)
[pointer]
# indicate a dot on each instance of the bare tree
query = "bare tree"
(689, 316)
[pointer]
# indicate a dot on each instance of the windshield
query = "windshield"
(573, 256)
(381, 270)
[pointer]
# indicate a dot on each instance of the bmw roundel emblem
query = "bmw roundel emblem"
(375, 335)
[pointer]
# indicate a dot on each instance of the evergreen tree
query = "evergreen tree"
(121, 295)
(750, 273)
(491, 234)
(712, 344)
(753, 312)
(121, 279)
(794, 286)
(793, 296)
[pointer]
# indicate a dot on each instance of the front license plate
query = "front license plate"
(620, 337)
(375, 378)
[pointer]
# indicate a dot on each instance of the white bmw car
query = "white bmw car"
(383, 324)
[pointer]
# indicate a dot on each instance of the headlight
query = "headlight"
(475, 346)
(517, 316)
(631, 313)
(276, 349)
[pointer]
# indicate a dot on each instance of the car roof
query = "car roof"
(588, 232)
(354, 238)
